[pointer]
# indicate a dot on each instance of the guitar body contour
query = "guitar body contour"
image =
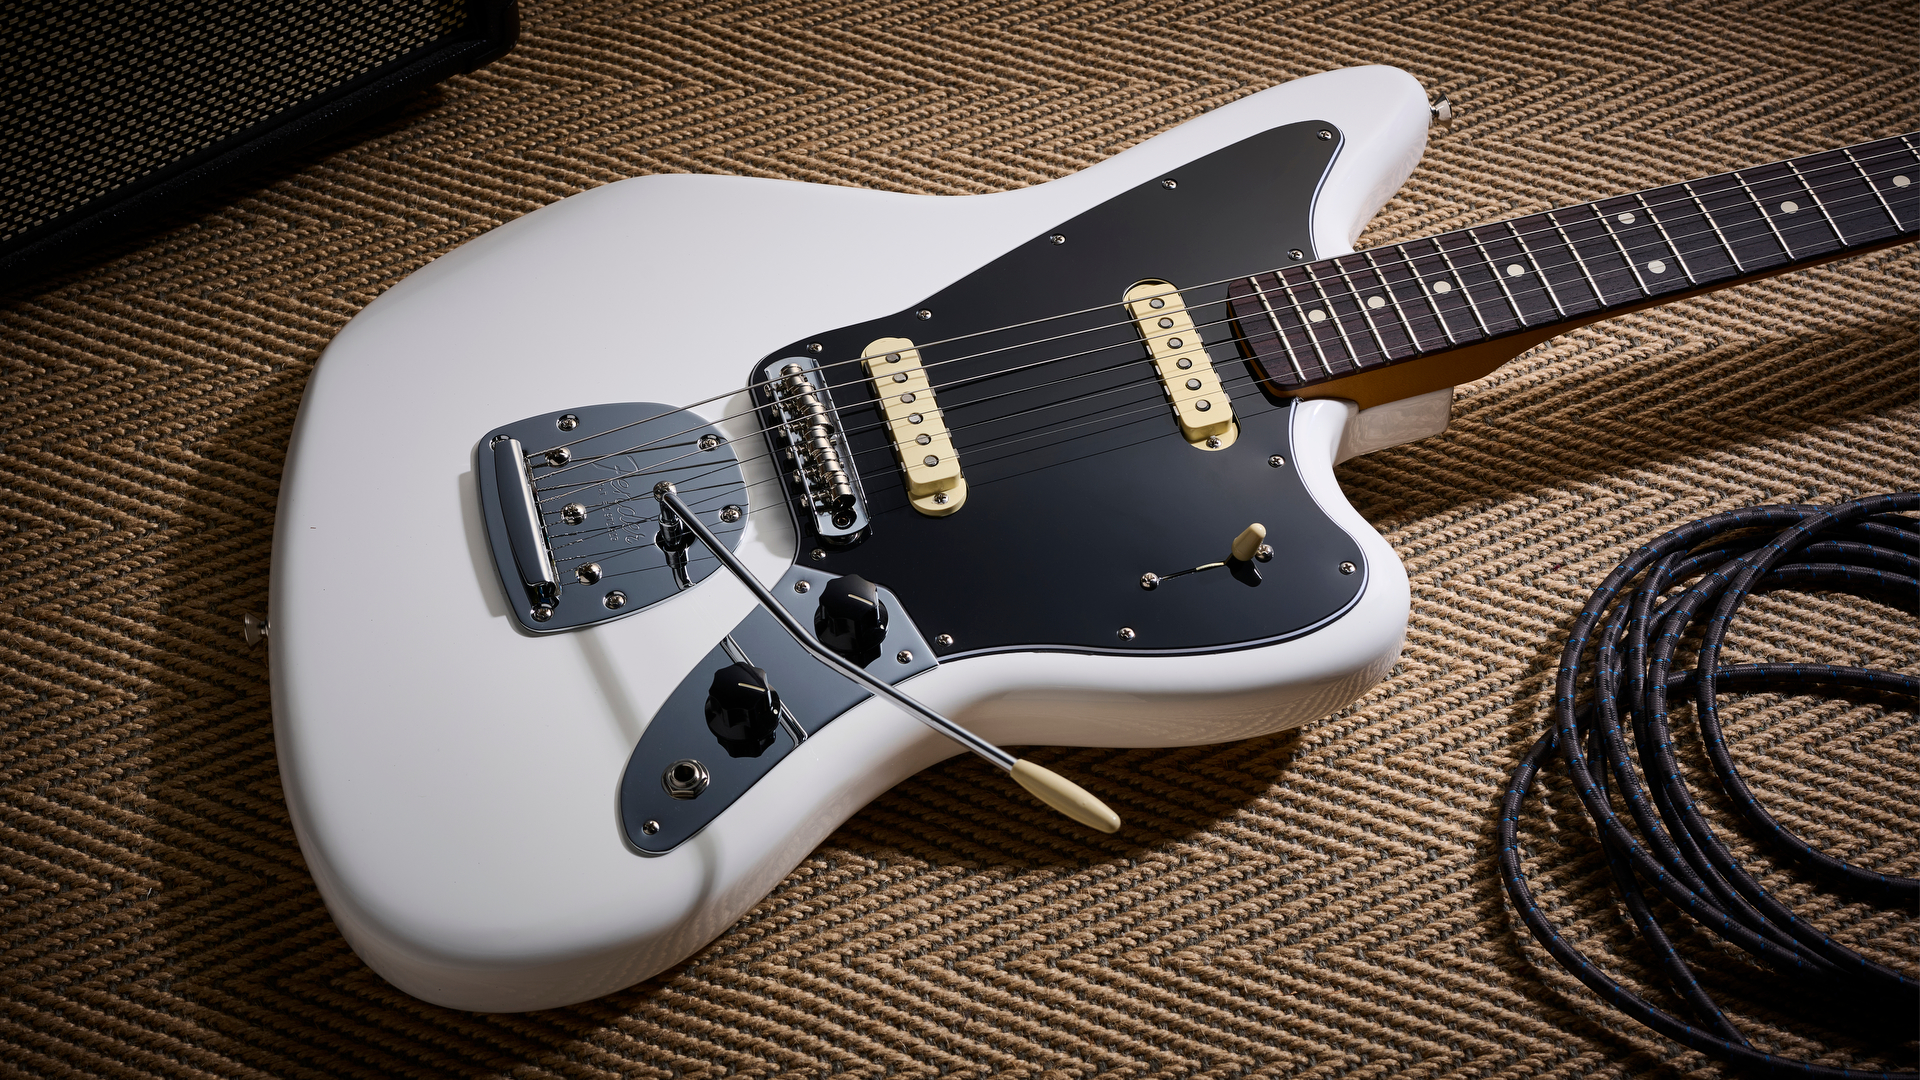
(455, 776)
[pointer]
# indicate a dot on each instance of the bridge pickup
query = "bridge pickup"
(1200, 403)
(935, 485)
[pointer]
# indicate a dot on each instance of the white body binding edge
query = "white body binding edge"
(453, 781)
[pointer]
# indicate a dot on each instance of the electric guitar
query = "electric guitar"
(1055, 465)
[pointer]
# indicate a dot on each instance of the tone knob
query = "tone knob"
(851, 620)
(743, 712)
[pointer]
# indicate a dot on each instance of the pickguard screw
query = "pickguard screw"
(1296, 253)
(818, 554)
(650, 828)
(543, 613)
(1264, 553)
(589, 574)
(903, 656)
(1056, 239)
(1325, 135)
(1276, 461)
(709, 441)
(1149, 582)
(559, 456)
(573, 513)
(1169, 183)
(924, 313)
(945, 641)
(567, 422)
(729, 514)
(1127, 634)
(615, 600)
(815, 346)
(1347, 568)
(801, 587)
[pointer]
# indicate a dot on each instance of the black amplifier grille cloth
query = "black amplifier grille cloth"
(95, 96)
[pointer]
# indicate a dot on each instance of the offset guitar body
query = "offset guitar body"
(474, 769)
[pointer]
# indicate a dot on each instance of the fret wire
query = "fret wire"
(1464, 291)
(1420, 283)
(1641, 198)
(1832, 224)
(1599, 298)
(1631, 269)
(1305, 324)
(1499, 279)
(1279, 333)
(1761, 209)
(1360, 302)
(1538, 268)
(1333, 315)
(1875, 188)
(1715, 226)
(1387, 288)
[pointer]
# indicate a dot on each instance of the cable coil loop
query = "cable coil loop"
(1865, 547)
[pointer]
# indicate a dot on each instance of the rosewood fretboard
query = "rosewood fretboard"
(1316, 322)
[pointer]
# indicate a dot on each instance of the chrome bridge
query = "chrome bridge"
(811, 452)
(572, 525)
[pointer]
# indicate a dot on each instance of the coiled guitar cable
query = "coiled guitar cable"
(1631, 631)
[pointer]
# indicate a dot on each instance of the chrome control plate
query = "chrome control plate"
(592, 471)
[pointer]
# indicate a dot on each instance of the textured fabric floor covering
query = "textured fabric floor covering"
(1322, 903)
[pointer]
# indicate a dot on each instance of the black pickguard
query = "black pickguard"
(1079, 480)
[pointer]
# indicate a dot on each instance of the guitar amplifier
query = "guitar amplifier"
(112, 114)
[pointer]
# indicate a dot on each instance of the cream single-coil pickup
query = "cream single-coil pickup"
(935, 485)
(1200, 403)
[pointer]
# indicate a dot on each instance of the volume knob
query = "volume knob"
(742, 710)
(851, 620)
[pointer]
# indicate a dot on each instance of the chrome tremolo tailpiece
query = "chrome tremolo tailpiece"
(811, 451)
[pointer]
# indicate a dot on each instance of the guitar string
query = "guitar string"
(1347, 276)
(1668, 241)
(1342, 320)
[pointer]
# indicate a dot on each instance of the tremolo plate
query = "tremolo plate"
(596, 509)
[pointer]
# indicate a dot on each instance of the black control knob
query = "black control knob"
(851, 620)
(742, 710)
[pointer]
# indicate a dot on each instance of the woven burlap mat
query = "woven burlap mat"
(1322, 903)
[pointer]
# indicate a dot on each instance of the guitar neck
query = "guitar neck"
(1531, 277)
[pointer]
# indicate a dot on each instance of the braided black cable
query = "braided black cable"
(1865, 547)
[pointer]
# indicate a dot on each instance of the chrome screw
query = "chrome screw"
(923, 313)
(573, 513)
(1347, 568)
(254, 629)
(543, 613)
(903, 656)
(1149, 582)
(615, 600)
(1127, 634)
(1276, 461)
(650, 828)
(945, 641)
(709, 441)
(567, 422)
(817, 554)
(801, 587)
(729, 514)
(940, 498)
(1169, 183)
(1056, 239)
(1296, 253)
(1325, 135)
(589, 574)
(559, 456)
(815, 346)
(1264, 553)
(1213, 442)
(498, 439)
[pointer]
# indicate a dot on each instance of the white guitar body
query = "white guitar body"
(453, 778)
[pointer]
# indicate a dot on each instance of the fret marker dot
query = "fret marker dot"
(1625, 219)
(1515, 269)
(1657, 266)
(1316, 315)
(1375, 302)
(1443, 286)
(1901, 181)
(1789, 207)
